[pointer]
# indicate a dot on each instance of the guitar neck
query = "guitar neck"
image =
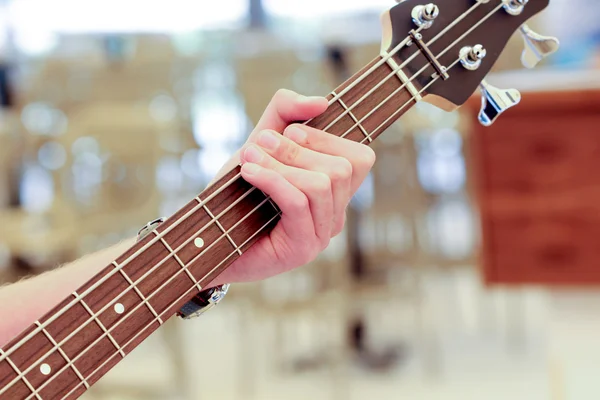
(82, 338)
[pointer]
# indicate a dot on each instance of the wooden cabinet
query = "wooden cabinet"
(537, 182)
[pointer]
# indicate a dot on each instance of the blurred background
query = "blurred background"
(468, 268)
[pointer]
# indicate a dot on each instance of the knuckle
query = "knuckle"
(320, 184)
(341, 170)
(367, 158)
(300, 204)
(289, 152)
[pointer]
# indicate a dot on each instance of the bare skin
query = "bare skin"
(310, 174)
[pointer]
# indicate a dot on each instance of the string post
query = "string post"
(424, 15)
(514, 7)
(472, 56)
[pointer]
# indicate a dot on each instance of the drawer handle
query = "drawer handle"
(558, 256)
(547, 152)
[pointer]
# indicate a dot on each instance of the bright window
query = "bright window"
(320, 8)
(94, 16)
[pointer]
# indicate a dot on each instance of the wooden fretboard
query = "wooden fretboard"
(82, 338)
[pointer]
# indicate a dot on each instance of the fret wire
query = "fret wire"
(94, 318)
(345, 107)
(353, 84)
(379, 84)
(20, 375)
(107, 276)
(148, 273)
(64, 355)
(172, 253)
(179, 299)
(4, 355)
(405, 104)
(403, 78)
(218, 191)
(378, 106)
(189, 240)
(135, 288)
(387, 55)
(214, 219)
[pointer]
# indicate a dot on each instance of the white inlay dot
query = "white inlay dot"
(199, 243)
(119, 308)
(45, 369)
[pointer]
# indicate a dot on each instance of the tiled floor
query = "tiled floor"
(476, 344)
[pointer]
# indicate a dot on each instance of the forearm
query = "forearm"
(24, 302)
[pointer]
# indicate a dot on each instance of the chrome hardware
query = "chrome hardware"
(537, 47)
(470, 57)
(495, 101)
(514, 7)
(149, 227)
(204, 300)
(423, 16)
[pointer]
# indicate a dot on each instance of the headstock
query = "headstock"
(446, 48)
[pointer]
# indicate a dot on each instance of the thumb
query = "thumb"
(287, 107)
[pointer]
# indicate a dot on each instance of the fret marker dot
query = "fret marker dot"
(45, 369)
(199, 243)
(119, 308)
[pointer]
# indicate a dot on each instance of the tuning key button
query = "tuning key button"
(495, 101)
(537, 47)
(514, 7)
(470, 57)
(423, 16)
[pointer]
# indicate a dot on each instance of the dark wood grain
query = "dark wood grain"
(493, 34)
(92, 337)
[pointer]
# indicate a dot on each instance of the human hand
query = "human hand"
(310, 174)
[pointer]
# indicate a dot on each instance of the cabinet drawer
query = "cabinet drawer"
(533, 156)
(558, 249)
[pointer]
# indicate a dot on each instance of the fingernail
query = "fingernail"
(269, 140)
(296, 134)
(253, 155)
(251, 169)
(309, 99)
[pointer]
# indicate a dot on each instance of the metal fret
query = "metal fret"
(183, 266)
(216, 221)
(356, 120)
(63, 354)
(97, 320)
(20, 375)
(402, 76)
(139, 293)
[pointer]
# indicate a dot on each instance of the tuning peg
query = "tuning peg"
(537, 47)
(495, 101)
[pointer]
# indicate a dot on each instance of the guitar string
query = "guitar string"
(394, 72)
(353, 106)
(378, 128)
(154, 320)
(335, 98)
(156, 239)
(368, 137)
(185, 294)
(180, 298)
(158, 317)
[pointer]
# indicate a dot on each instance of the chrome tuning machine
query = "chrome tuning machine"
(471, 57)
(495, 101)
(537, 47)
(514, 7)
(423, 16)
